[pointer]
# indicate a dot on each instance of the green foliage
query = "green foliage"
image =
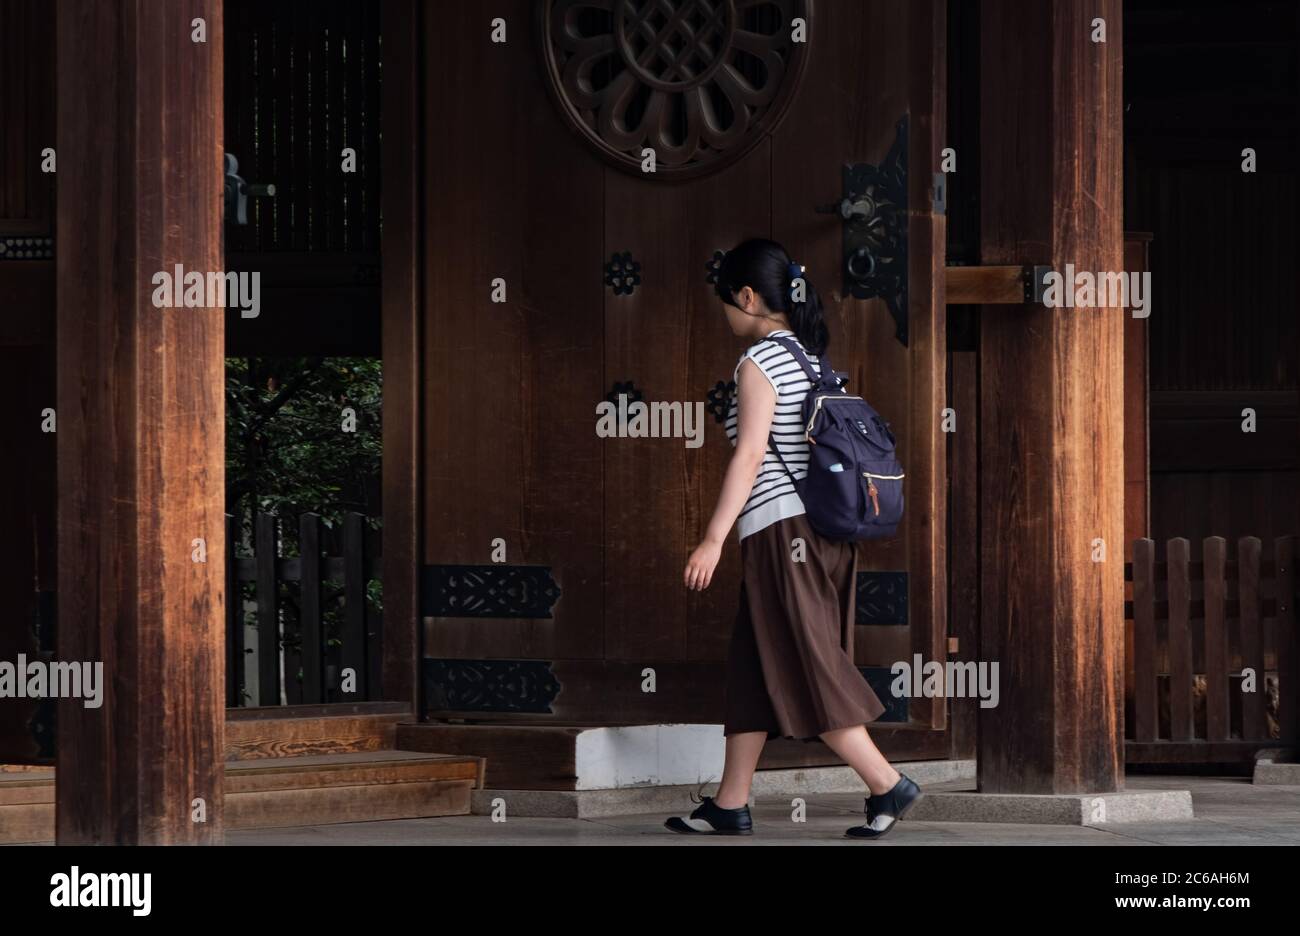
(288, 453)
(286, 449)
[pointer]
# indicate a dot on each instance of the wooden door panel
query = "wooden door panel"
(733, 208)
(510, 388)
(847, 111)
(671, 339)
(522, 196)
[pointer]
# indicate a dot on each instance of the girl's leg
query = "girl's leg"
(857, 749)
(743, 750)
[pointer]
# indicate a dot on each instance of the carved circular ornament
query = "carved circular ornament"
(697, 81)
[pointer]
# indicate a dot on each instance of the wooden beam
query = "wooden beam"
(1051, 397)
(985, 285)
(141, 440)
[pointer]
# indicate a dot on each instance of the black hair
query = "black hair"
(765, 267)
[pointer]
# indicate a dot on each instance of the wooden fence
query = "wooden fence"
(313, 661)
(1202, 633)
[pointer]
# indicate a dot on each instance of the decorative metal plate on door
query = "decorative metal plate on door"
(698, 81)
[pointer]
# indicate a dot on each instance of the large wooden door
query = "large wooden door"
(518, 195)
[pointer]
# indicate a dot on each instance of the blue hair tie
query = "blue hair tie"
(794, 270)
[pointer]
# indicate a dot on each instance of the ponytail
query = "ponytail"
(765, 267)
(805, 312)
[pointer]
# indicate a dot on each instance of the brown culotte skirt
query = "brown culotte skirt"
(789, 671)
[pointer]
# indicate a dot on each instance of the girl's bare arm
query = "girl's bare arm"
(756, 406)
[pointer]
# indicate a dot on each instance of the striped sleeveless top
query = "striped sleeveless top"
(773, 496)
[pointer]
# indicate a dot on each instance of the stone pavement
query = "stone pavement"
(1229, 811)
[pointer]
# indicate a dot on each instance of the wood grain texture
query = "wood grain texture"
(1217, 665)
(274, 809)
(670, 337)
(141, 433)
(1137, 411)
(1231, 504)
(1137, 473)
(927, 533)
(829, 126)
(645, 492)
(1254, 724)
(1181, 725)
(402, 314)
(518, 757)
(963, 527)
(1181, 420)
(1206, 219)
(1145, 700)
(355, 768)
(509, 389)
(1288, 642)
(1052, 402)
(301, 791)
(27, 823)
(519, 196)
(985, 285)
(725, 213)
(251, 738)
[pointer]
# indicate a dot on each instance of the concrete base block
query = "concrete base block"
(802, 781)
(587, 804)
(644, 755)
(1270, 773)
(1079, 809)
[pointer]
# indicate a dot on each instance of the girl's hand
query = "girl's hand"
(699, 568)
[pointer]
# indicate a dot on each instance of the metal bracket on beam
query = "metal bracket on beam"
(1036, 283)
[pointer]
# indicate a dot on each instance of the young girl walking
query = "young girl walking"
(787, 674)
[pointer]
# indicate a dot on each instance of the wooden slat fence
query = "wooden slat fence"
(302, 81)
(313, 660)
(1199, 627)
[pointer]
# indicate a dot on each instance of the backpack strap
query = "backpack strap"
(771, 444)
(824, 366)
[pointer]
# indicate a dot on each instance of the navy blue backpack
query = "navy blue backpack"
(854, 486)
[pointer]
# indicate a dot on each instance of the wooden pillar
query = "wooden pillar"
(1052, 482)
(140, 421)
(402, 314)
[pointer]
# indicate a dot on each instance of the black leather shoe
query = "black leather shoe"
(711, 819)
(885, 810)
